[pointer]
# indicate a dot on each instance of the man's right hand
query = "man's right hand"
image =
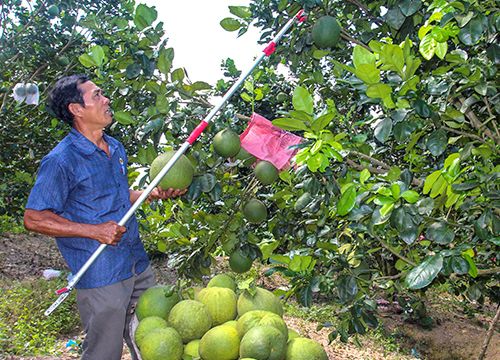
(108, 233)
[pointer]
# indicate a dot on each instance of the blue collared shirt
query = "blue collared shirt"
(80, 182)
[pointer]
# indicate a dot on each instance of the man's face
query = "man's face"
(96, 112)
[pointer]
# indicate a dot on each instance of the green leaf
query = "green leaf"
(430, 180)
(362, 56)
(383, 130)
(290, 124)
(302, 100)
(410, 196)
(123, 117)
(472, 265)
(378, 91)
(427, 47)
(437, 142)
(425, 273)
(392, 58)
(440, 233)
(322, 122)
(86, 60)
(410, 7)
(472, 32)
(459, 265)
(441, 50)
(165, 58)
(207, 182)
(178, 75)
(230, 24)
(422, 109)
(133, 70)
(347, 201)
(364, 175)
(242, 12)
(97, 54)
(144, 16)
(395, 18)
(368, 73)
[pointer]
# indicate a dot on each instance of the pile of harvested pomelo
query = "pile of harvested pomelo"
(218, 323)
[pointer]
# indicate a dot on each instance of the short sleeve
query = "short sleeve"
(51, 187)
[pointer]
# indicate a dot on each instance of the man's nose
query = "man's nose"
(106, 100)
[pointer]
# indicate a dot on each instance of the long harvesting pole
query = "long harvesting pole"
(268, 51)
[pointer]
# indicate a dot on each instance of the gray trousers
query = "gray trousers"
(106, 312)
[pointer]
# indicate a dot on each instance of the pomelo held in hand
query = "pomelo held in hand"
(179, 176)
(226, 143)
(326, 32)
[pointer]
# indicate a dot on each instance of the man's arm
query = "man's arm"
(48, 223)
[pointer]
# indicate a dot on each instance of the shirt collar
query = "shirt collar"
(87, 147)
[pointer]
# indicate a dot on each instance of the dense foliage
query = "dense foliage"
(396, 185)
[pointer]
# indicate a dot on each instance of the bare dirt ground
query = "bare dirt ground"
(455, 337)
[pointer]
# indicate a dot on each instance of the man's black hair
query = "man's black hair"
(65, 92)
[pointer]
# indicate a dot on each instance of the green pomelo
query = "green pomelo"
(223, 281)
(192, 349)
(255, 211)
(255, 318)
(281, 97)
(266, 172)
(147, 325)
(226, 143)
(63, 60)
(305, 349)
(247, 158)
(220, 343)
(263, 343)
(179, 176)
(262, 300)
(220, 302)
(156, 301)
(292, 334)
(191, 319)
(31, 89)
(326, 32)
(240, 262)
(53, 10)
(232, 323)
(162, 344)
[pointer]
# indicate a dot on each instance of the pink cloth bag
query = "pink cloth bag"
(267, 142)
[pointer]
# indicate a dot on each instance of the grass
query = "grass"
(24, 329)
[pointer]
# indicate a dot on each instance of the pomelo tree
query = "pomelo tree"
(394, 189)
(396, 185)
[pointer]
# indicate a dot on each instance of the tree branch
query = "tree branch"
(394, 252)
(472, 136)
(344, 35)
(415, 181)
(489, 335)
(475, 122)
(486, 272)
(366, 11)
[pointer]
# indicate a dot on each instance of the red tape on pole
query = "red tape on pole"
(270, 48)
(196, 132)
(300, 16)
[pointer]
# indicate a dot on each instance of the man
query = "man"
(80, 194)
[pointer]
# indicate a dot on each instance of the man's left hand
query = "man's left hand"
(160, 194)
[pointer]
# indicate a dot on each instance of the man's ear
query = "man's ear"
(75, 109)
